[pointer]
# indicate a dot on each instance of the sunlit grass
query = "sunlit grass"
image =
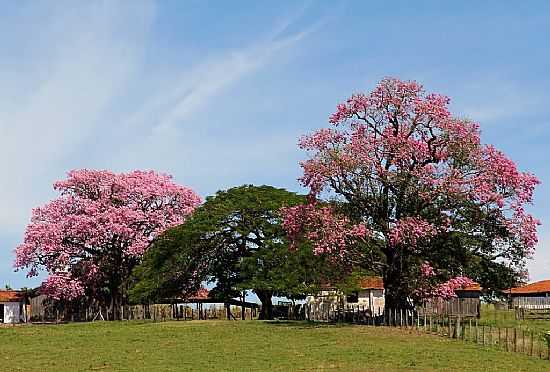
(244, 346)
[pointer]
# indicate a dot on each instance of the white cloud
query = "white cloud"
(492, 99)
(166, 135)
(70, 88)
(61, 91)
(78, 90)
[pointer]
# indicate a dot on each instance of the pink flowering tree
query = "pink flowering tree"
(91, 237)
(407, 183)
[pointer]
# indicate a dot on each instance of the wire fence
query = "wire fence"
(465, 328)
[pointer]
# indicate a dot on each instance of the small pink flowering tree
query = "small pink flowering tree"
(407, 183)
(91, 237)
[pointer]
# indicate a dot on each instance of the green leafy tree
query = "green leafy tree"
(236, 240)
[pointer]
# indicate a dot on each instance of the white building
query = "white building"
(368, 298)
(12, 307)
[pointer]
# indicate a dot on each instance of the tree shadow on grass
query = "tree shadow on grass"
(304, 324)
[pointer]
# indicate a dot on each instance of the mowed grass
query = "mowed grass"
(243, 346)
(507, 318)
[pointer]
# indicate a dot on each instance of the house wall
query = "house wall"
(373, 299)
(11, 312)
(367, 299)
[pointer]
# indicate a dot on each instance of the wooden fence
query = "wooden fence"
(532, 303)
(164, 312)
(467, 329)
(42, 311)
(464, 307)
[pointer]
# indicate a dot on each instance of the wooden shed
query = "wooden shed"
(471, 291)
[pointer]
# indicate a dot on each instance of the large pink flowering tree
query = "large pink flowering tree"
(408, 187)
(91, 237)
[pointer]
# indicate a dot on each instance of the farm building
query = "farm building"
(13, 307)
(369, 297)
(466, 303)
(531, 296)
(472, 291)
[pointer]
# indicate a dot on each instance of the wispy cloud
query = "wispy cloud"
(93, 50)
(165, 128)
(493, 99)
(194, 90)
(71, 95)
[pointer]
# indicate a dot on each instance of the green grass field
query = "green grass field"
(243, 346)
(507, 318)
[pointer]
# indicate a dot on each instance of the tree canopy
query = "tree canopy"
(235, 240)
(415, 196)
(92, 236)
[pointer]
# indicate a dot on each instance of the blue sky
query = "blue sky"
(216, 93)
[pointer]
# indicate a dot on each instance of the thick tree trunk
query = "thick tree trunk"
(115, 304)
(266, 312)
(228, 311)
(396, 292)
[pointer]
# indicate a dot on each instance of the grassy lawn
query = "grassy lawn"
(243, 346)
(507, 318)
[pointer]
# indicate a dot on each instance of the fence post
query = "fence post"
(515, 339)
(531, 353)
(424, 318)
(507, 340)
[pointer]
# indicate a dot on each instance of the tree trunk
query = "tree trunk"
(396, 293)
(115, 304)
(266, 312)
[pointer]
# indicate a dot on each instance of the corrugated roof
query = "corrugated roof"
(11, 296)
(542, 286)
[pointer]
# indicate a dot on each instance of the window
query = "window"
(352, 298)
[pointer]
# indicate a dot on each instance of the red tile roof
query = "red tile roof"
(473, 287)
(542, 286)
(11, 296)
(366, 282)
(371, 282)
(201, 294)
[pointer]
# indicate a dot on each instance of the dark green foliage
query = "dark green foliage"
(236, 240)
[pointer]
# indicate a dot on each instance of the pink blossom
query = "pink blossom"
(448, 289)
(408, 231)
(426, 270)
(398, 144)
(99, 219)
(330, 232)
